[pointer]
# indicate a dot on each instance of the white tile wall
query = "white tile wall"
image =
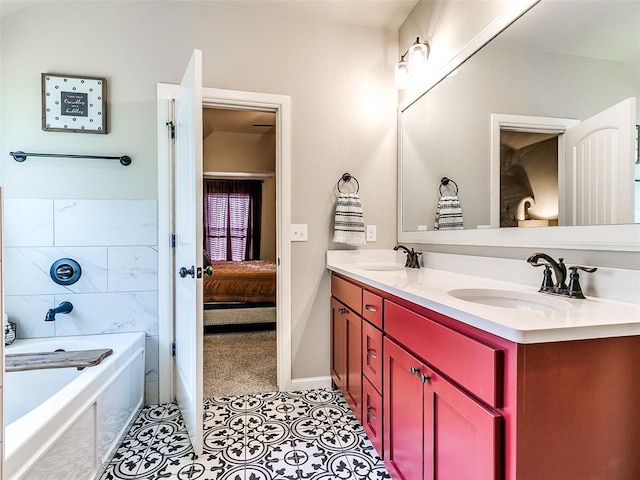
(36, 231)
(133, 268)
(108, 313)
(28, 312)
(27, 270)
(105, 222)
(151, 366)
(115, 242)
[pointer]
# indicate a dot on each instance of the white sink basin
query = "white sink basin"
(510, 299)
(380, 267)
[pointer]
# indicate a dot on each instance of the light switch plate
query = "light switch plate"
(299, 232)
(371, 233)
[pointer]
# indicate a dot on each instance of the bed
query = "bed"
(247, 283)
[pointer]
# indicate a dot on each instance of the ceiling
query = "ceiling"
(374, 13)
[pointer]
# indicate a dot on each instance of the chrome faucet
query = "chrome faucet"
(64, 307)
(560, 271)
(412, 256)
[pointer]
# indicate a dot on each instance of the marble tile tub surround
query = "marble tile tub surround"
(115, 242)
(615, 284)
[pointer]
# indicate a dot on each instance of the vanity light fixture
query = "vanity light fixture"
(412, 64)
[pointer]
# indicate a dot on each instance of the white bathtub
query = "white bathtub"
(66, 424)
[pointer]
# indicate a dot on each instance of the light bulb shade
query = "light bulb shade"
(401, 75)
(418, 54)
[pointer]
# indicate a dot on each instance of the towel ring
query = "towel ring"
(445, 181)
(347, 177)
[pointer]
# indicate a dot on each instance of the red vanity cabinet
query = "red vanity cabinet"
(346, 342)
(490, 408)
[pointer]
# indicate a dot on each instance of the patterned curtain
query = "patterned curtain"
(232, 218)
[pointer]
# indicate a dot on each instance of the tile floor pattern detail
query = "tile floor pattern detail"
(269, 436)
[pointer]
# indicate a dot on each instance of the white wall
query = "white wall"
(343, 115)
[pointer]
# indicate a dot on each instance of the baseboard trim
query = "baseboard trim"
(310, 383)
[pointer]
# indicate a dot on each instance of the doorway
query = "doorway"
(239, 225)
(229, 99)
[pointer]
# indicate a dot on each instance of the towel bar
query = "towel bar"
(22, 156)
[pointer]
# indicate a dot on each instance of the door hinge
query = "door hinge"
(173, 240)
(172, 129)
(173, 349)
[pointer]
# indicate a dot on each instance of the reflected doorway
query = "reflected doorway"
(528, 179)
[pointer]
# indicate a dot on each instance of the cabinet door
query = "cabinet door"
(403, 413)
(338, 345)
(353, 394)
(372, 354)
(372, 415)
(462, 437)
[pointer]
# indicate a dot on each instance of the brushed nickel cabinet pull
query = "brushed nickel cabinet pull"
(414, 370)
(371, 353)
(371, 308)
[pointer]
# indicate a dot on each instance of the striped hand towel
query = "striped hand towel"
(449, 213)
(349, 224)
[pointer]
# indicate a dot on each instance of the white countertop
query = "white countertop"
(584, 319)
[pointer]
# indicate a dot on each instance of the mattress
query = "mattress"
(252, 281)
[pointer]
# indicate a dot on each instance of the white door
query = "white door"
(598, 172)
(188, 254)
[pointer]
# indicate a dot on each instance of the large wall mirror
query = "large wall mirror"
(503, 126)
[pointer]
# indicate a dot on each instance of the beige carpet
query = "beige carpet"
(227, 316)
(239, 363)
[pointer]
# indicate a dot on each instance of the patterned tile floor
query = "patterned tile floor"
(270, 436)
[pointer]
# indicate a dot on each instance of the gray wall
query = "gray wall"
(343, 115)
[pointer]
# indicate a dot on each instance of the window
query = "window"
(232, 219)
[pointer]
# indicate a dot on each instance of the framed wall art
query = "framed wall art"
(72, 103)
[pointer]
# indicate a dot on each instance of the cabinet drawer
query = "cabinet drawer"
(372, 354)
(472, 364)
(372, 308)
(347, 293)
(372, 414)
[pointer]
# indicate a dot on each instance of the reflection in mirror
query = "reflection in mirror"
(537, 67)
(528, 179)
